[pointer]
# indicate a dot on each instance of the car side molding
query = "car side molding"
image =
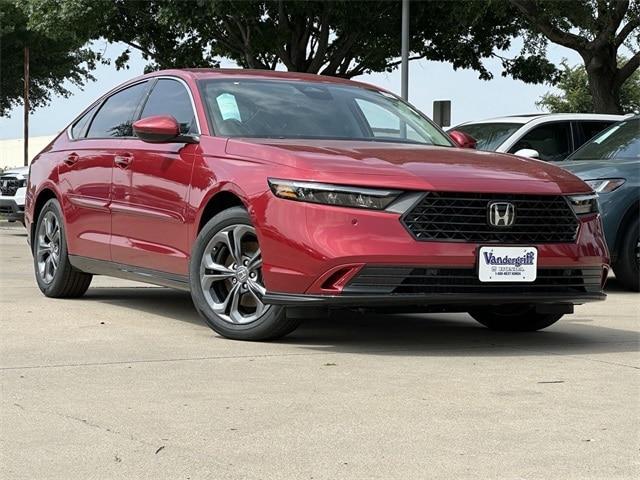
(129, 272)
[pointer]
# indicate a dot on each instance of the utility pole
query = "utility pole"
(405, 50)
(26, 106)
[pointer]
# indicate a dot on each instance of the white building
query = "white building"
(11, 150)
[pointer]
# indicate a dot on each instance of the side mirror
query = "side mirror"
(463, 140)
(161, 129)
(528, 153)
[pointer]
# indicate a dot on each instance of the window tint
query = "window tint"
(79, 128)
(170, 97)
(551, 141)
(588, 130)
(114, 119)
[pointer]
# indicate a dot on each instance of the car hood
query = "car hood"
(409, 166)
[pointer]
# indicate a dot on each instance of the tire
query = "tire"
(514, 318)
(627, 264)
(55, 275)
(227, 294)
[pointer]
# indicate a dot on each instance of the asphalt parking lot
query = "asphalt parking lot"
(129, 383)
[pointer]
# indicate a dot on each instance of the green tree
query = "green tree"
(596, 29)
(342, 38)
(575, 96)
(53, 61)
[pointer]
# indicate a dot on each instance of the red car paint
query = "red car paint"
(141, 204)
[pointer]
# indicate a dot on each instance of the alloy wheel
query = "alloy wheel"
(48, 247)
(231, 275)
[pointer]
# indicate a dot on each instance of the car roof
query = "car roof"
(548, 117)
(211, 73)
(19, 170)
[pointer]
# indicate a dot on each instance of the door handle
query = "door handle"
(123, 161)
(71, 159)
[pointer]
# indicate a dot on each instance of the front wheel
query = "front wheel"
(227, 284)
(627, 265)
(514, 318)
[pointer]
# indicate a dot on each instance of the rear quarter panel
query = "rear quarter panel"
(43, 175)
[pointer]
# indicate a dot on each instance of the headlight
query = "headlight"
(584, 204)
(605, 185)
(339, 195)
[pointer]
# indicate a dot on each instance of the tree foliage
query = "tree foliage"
(341, 38)
(348, 38)
(596, 29)
(53, 61)
(575, 97)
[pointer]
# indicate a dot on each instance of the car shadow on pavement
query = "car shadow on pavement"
(454, 334)
(400, 334)
(165, 302)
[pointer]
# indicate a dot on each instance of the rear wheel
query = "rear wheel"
(627, 265)
(514, 318)
(227, 284)
(55, 276)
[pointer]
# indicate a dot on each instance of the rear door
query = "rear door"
(84, 178)
(85, 171)
(151, 188)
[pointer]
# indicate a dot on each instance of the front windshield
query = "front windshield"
(489, 135)
(620, 142)
(294, 109)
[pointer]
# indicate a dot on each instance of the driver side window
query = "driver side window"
(551, 141)
(170, 97)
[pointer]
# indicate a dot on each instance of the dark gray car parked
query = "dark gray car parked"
(610, 163)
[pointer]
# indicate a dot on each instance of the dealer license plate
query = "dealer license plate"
(508, 264)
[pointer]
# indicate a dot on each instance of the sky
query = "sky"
(471, 98)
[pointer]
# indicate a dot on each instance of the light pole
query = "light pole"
(26, 106)
(404, 91)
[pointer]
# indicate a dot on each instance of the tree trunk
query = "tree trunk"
(601, 70)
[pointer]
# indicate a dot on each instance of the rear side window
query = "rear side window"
(80, 127)
(170, 97)
(620, 142)
(552, 141)
(588, 130)
(115, 117)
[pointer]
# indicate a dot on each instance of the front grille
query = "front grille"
(423, 280)
(9, 186)
(463, 217)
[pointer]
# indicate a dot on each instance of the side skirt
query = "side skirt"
(129, 272)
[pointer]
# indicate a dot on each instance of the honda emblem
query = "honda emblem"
(502, 214)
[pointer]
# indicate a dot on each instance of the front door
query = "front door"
(151, 187)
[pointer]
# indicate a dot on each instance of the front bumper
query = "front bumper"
(435, 302)
(311, 252)
(453, 289)
(11, 210)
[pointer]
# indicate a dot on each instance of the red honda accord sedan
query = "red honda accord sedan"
(273, 195)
